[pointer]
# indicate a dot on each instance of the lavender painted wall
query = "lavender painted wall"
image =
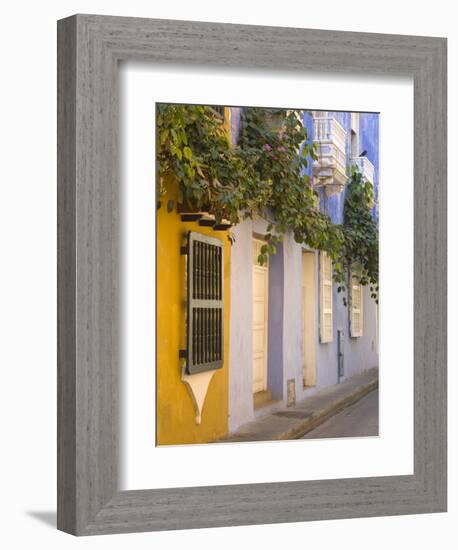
(275, 361)
(308, 123)
(359, 353)
(369, 140)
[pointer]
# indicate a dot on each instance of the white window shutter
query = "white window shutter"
(356, 308)
(326, 321)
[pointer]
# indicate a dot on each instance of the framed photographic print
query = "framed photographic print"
(239, 246)
(252, 275)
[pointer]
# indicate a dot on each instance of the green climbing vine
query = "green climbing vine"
(194, 148)
(359, 253)
(277, 146)
(265, 174)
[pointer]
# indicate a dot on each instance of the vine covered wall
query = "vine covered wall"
(266, 168)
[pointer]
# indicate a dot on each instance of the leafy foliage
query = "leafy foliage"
(194, 147)
(265, 174)
(276, 144)
(359, 253)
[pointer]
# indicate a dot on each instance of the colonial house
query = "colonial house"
(237, 339)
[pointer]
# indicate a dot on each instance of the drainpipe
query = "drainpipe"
(340, 355)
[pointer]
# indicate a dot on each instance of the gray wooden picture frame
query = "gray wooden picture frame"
(89, 49)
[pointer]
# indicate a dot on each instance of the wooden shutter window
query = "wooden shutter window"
(205, 310)
(356, 308)
(326, 320)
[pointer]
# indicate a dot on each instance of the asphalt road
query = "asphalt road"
(358, 420)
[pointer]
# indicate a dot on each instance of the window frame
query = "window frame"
(326, 338)
(214, 325)
(356, 333)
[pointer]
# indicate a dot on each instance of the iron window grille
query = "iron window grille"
(205, 310)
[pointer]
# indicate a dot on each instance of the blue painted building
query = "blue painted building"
(290, 332)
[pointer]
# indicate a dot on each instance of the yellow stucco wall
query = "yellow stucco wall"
(175, 411)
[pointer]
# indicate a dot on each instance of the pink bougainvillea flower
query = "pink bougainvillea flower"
(267, 147)
(281, 149)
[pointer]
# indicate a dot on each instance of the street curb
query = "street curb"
(322, 415)
(297, 428)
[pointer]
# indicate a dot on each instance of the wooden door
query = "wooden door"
(309, 319)
(260, 320)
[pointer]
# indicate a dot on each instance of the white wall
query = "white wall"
(292, 314)
(241, 327)
(27, 305)
(359, 353)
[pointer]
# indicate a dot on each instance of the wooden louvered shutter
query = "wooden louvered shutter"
(205, 311)
(326, 321)
(356, 308)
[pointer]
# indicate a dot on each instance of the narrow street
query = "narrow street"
(358, 420)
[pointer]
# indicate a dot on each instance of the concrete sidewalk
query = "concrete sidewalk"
(294, 422)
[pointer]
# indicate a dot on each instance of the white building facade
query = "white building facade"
(290, 332)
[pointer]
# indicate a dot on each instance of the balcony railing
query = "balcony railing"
(365, 166)
(329, 129)
(329, 170)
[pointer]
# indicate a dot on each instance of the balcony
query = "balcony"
(329, 170)
(365, 167)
